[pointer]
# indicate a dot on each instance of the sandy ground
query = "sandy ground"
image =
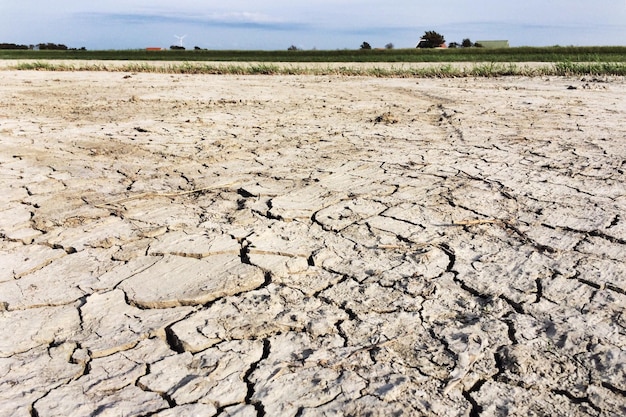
(304, 246)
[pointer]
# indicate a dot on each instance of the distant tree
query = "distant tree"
(467, 43)
(389, 46)
(453, 45)
(52, 46)
(197, 48)
(431, 39)
(366, 45)
(12, 46)
(177, 48)
(293, 48)
(478, 45)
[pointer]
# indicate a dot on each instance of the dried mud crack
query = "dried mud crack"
(263, 246)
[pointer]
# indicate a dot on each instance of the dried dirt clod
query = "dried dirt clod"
(386, 118)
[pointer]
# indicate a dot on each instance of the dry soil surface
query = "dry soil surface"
(179, 245)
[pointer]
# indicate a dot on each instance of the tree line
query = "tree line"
(40, 46)
(430, 39)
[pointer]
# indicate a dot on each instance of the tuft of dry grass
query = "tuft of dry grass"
(435, 71)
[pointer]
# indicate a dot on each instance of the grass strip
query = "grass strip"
(491, 69)
(401, 55)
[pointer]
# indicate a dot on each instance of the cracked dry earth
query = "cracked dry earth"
(311, 246)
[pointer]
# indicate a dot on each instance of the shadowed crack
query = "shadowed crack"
(577, 400)
(168, 398)
(616, 289)
(258, 405)
(69, 249)
(526, 239)
(451, 257)
(593, 233)
(33, 409)
(597, 233)
(539, 290)
(244, 193)
(499, 357)
(341, 332)
(614, 389)
(244, 252)
(172, 340)
(268, 213)
(587, 282)
(351, 314)
(476, 408)
(450, 268)
(511, 327)
(516, 306)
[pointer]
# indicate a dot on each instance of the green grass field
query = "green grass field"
(522, 54)
(481, 62)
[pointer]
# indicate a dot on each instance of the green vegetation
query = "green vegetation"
(480, 62)
(434, 71)
(522, 54)
(431, 39)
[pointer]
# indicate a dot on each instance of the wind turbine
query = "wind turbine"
(180, 39)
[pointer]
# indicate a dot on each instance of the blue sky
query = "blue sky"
(321, 24)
